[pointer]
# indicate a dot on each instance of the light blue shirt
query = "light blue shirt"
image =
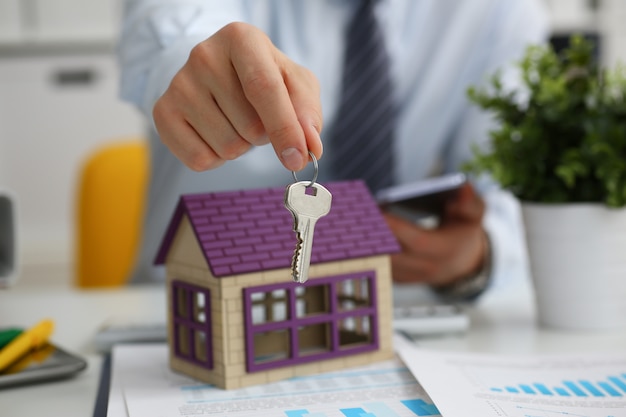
(437, 47)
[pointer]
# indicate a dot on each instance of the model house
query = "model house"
(236, 318)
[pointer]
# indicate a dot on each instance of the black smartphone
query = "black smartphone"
(425, 198)
(46, 363)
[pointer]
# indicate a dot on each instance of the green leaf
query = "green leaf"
(567, 142)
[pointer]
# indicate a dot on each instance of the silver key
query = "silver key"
(307, 202)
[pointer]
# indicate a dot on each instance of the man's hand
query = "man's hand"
(440, 256)
(237, 90)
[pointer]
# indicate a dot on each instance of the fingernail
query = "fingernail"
(320, 140)
(292, 159)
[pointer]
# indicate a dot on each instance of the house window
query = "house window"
(192, 323)
(270, 306)
(290, 323)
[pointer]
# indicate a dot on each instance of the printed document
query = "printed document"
(144, 386)
(490, 385)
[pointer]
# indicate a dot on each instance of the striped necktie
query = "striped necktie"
(362, 135)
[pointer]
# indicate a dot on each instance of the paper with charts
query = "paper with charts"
(386, 389)
(468, 384)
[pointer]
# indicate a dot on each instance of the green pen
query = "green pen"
(7, 335)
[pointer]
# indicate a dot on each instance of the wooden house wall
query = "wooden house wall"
(186, 262)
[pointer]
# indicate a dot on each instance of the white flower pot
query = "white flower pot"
(578, 264)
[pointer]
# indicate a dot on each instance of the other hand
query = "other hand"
(237, 90)
(452, 251)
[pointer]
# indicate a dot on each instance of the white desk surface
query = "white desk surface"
(503, 322)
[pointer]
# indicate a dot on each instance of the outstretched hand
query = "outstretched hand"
(237, 90)
(452, 251)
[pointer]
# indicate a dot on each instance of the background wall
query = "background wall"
(58, 102)
(602, 18)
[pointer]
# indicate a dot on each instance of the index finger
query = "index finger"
(264, 87)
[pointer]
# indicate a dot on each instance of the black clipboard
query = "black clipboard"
(101, 407)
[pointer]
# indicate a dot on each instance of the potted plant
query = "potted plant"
(560, 148)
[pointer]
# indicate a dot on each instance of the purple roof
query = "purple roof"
(251, 230)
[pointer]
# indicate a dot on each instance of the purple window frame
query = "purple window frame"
(193, 326)
(291, 324)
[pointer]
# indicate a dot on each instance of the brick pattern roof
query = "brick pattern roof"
(251, 230)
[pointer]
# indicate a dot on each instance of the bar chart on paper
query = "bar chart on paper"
(547, 388)
(611, 386)
(414, 407)
(375, 392)
(591, 385)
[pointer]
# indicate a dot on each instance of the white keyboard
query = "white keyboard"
(414, 320)
(112, 334)
(430, 319)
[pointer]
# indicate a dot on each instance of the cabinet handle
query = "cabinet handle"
(77, 77)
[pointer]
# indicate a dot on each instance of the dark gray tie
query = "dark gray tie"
(363, 131)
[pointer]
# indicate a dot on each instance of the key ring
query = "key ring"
(315, 172)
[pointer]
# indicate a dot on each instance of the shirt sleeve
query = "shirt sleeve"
(156, 38)
(518, 23)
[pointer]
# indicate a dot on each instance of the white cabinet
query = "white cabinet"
(54, 110)
(58, 21)
(612, 18)
(604, 18)
(71, 19)
(569, 15)
(10, 22)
